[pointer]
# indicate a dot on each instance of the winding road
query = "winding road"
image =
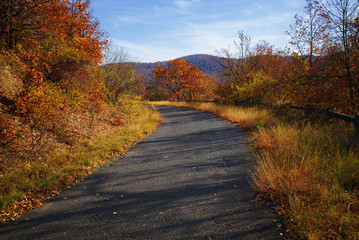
(188, 180)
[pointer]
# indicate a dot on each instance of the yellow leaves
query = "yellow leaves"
(40, 103)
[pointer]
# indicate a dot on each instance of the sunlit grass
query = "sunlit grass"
(28, 184)
(246, 118)
(310, 171)
(313, 172)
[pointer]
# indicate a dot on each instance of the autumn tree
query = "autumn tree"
(324, 40)
(234, 62)
(266, 72)
(182, 80)
(306, 69)
(250, 74)
(354, 41)
(309, 32)
(59, 44)
(342, 15)
(18, 21)
(120, 76)
(54, 38)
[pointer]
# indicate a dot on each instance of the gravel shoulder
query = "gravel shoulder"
(188, 180)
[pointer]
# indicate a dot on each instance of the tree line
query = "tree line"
(319, 68)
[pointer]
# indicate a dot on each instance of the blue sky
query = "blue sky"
(158, 30)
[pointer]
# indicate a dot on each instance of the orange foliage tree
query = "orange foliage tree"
(251, 75)
(182, 80)
(320, 70)
(321, 73)
(54, 38)
(60, 46)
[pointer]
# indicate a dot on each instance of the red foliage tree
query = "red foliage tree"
(183, 80)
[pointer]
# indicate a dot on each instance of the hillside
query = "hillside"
(206, 63)
(58, 108)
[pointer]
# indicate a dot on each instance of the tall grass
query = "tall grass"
(310, 171)
(313, 173)
(28, 184)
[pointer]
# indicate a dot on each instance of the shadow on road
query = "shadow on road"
(189, 180)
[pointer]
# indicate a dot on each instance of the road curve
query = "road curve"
(188, 180)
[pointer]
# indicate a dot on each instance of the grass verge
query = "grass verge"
(310, 171)
(27, 185)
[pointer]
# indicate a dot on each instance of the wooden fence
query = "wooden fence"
(329, 114)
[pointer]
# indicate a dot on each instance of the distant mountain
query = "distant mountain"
(207, 63)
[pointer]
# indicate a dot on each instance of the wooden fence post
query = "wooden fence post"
(327, 114)
(356, 123)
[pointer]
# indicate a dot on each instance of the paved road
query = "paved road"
(188, 180)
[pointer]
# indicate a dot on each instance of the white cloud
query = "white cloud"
(182, 3)
(185, 3)
(191, 38)
(214, 36)
(167, 32)
(147, 52)
(123, 20)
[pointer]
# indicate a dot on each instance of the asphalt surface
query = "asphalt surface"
(188, 180)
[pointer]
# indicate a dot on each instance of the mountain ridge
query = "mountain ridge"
(208, 64)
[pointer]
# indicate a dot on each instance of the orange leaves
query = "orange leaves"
(40, 103)
(7, 132)
(51, 36)
(33, 76)
(256, 78)
(183, 80)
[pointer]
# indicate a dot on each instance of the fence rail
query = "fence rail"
(329, 114)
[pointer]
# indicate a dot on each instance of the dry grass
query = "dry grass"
(28, 184)
(310, 172)
(247, 118)
(313, 173)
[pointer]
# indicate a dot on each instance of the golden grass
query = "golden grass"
(310, 172)
(28, 184)
(313, 173)
(247, 118)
